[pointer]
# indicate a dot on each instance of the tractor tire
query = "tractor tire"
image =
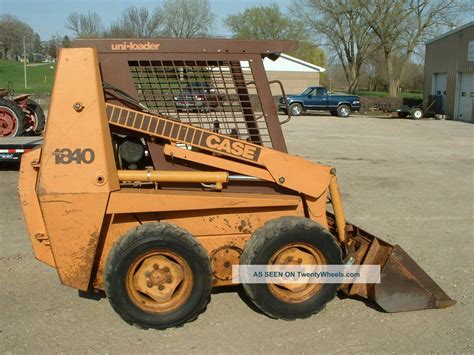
(343, 111)
(158, 276)
(296, 109)
(39, 119)
(279, 236)
(417, 113)
(12, 119)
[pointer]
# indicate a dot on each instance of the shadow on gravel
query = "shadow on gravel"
(369, 304)
(240, 292)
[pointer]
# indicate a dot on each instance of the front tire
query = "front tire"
(294, 239)
(296, 109)
(158, 276)
(343, 111)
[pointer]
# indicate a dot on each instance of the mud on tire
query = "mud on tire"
(157, 238)
(272, 237)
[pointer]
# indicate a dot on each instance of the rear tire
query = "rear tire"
(293, 233)
(12, 119)
(158, 260)
(333, 113)
(343, 111)
(39, 118)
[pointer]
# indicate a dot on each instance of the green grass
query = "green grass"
(40, 77)
(405, 95)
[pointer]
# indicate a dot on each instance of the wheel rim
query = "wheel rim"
(344, 111)
(417, 114)
(31, 120)
(159, 281)
(8, 124)
(296, 110)
(296, 254)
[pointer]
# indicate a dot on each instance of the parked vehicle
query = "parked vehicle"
(428, 108)
(19, 115)
(320, 99)
(197, 97)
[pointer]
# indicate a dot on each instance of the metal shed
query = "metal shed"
(449, 71)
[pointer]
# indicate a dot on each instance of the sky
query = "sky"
(47, 17)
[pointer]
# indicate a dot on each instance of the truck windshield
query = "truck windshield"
(307, 91)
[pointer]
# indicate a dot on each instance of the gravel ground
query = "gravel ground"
(409, 182)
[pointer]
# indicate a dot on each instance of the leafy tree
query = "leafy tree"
(88, 25)
(187, 18)
(264, 22)
(66, 42)
(12, 31)
(37, 46)
(311, 53)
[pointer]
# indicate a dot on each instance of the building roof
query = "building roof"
(460, 28)
(288, 63)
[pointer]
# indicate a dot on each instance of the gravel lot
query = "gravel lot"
(409, 182)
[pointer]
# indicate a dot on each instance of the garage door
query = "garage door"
(466, 97)
(440, 81)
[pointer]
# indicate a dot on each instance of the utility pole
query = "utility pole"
(24, 60)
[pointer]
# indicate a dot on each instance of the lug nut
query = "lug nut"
(166, 269)
(149, 284)
(156, 266)
(161, 287)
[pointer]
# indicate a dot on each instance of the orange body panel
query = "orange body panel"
(31, 208)
(77, 166)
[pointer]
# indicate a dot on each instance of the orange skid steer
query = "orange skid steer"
(164, 165)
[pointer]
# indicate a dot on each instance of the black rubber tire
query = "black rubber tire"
(19, 117)
(344, 111)
(141, 240)
(402, 114)
(333, 113)
(37, 110)
(266, 241)
(296, 109)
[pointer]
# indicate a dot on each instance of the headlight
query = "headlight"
(356, 102)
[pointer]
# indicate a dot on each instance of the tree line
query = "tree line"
(373, 40)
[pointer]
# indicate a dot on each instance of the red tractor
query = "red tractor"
(19, 115)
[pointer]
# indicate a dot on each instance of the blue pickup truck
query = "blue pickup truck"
(318, 98)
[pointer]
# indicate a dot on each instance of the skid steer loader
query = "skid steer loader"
(164, 164)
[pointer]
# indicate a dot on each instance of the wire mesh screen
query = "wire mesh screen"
(216, 95)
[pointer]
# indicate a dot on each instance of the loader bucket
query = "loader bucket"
(404, 285)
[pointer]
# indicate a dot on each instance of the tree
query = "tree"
(400, 26)
(344, 30)
(37, 46)
(66, 42)
(311, 53)
(88, 25)
(187, 18)
(12, 31)
(136, 22)
(264, 22)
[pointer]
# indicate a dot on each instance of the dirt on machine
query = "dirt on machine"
(164, 164)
